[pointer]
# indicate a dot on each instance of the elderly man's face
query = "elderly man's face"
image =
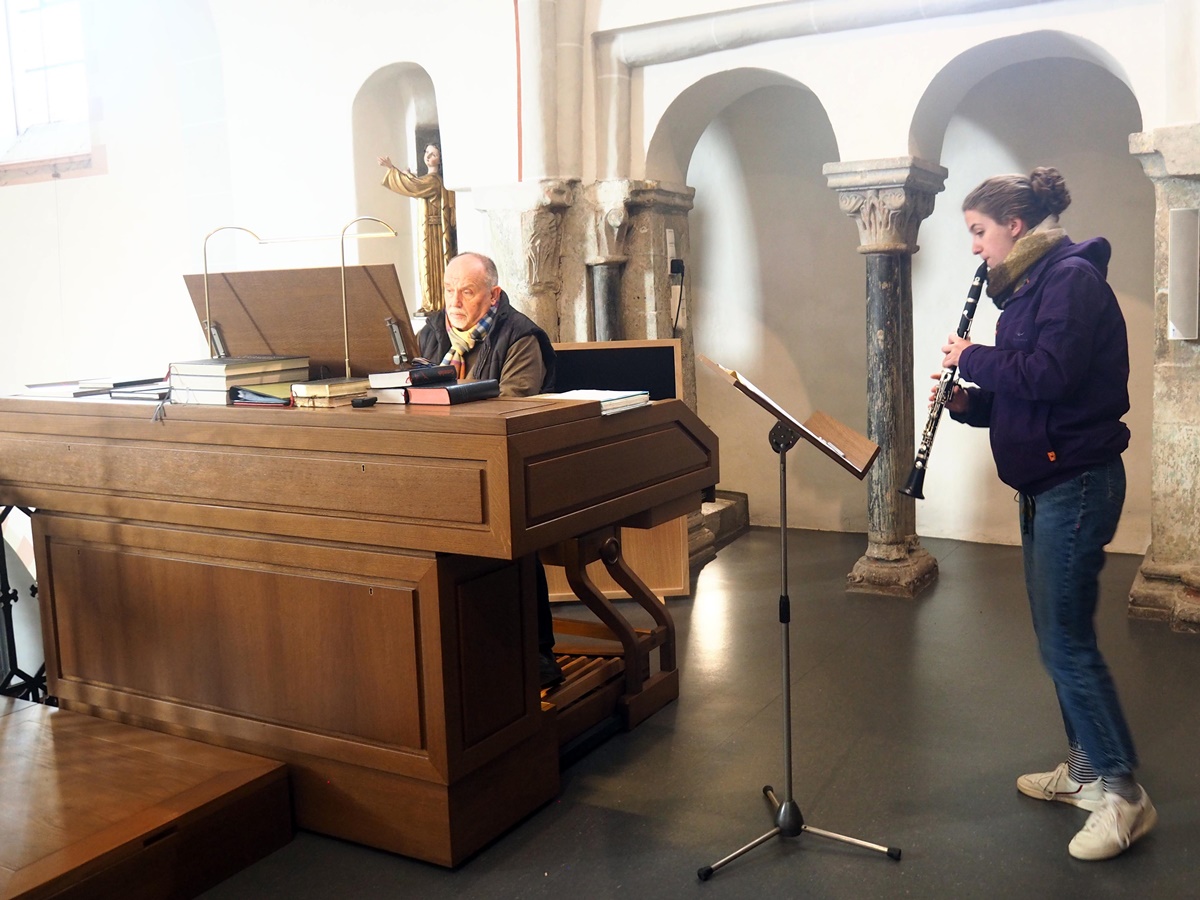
(467, 294)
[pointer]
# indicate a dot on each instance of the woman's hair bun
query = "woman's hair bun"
(1050, 189)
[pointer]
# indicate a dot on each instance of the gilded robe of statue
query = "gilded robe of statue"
(438, 236)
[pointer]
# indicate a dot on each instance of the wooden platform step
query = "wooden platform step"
(95, 809)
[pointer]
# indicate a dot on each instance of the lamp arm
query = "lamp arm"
(391, 232)
(208, 325)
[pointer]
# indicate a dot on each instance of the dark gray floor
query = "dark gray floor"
(911, 720)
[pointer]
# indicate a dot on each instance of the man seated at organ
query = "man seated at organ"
(483, 337)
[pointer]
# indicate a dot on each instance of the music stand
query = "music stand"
(854, 453)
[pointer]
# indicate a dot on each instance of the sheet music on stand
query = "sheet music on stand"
(852, 451)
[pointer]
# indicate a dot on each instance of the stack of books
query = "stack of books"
(392, 387)
(449, 393)
(208, 381)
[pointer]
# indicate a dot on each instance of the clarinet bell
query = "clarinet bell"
(916, 481)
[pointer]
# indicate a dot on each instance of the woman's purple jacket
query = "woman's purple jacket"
(1055, 386)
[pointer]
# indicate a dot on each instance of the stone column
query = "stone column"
(1167, 586)
(888, 198)
(652, 210)
(605, 242)
(622, 225)
(527, 225)
(647, 298)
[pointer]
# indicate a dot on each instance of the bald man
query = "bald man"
(481, 335)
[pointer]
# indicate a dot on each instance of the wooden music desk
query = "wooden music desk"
(348, 591)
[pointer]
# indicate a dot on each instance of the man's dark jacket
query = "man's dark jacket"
(510, 325)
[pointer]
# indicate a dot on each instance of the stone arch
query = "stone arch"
(392, 113)
(768, 257)
(685, 120)
(951, 85)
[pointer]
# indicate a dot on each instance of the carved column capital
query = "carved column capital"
(1168, 153)
(615, 205)
(888, 199)
(527, 227)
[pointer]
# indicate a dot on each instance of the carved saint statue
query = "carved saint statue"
(438, 236)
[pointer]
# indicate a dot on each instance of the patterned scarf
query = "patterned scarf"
(1025, 252)
(463, 342)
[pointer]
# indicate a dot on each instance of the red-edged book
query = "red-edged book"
(450, 394)
(414, 377)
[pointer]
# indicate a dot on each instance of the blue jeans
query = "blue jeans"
(1063, 534)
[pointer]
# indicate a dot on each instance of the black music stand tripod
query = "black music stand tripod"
(788, 820)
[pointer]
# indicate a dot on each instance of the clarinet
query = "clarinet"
(945, 390)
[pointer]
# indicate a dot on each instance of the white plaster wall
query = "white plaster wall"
(297, 120)
(778, 295)
(608, 15)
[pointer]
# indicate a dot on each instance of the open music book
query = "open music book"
(610, 401)
(852, 451)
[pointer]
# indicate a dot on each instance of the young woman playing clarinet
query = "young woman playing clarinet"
(1052, 391)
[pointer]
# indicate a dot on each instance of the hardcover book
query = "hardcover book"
(323, 402)
(451, 394)
(418, 375)
(389, 395)
(241, 365)
(223, 381)
(215, 397)
(332, 387)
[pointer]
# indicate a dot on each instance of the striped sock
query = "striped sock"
(1123, 786)
(1079, 767)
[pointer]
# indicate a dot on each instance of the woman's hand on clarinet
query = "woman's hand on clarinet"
(953, 349)
(959, 399)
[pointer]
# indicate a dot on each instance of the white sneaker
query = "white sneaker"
(1059, 785)
(1113, 827)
